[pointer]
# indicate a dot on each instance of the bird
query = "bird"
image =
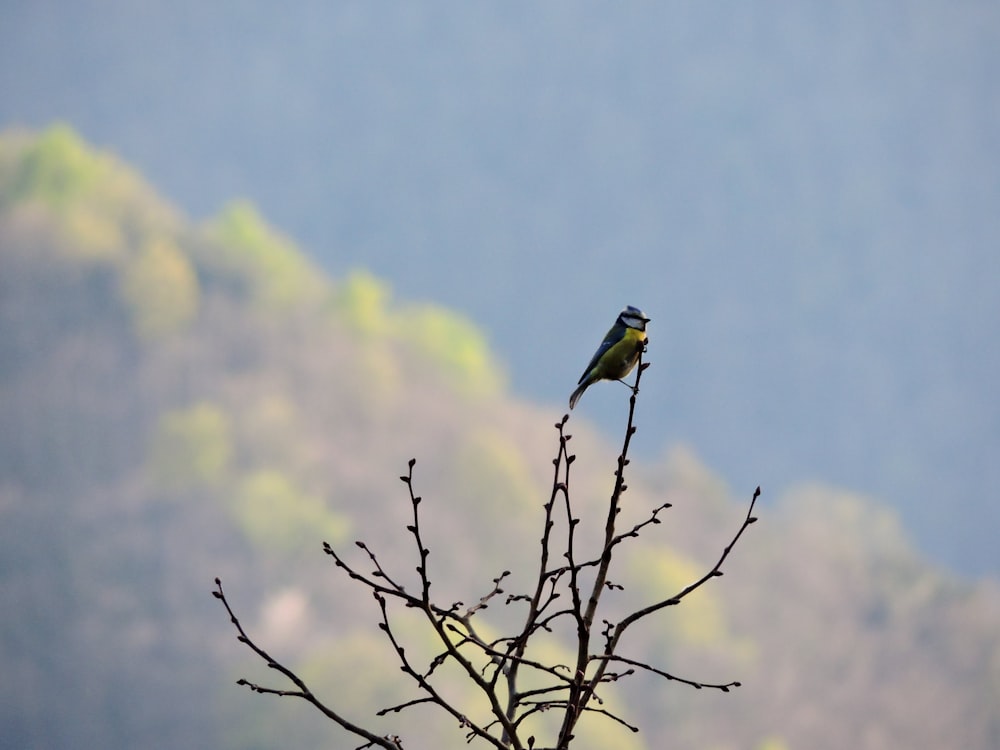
(617, 354)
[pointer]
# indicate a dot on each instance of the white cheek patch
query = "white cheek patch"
(633, 322)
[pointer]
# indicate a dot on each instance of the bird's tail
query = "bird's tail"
(578, 392)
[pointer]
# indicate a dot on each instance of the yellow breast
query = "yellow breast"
(619, 360)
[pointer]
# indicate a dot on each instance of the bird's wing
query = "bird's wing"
(609, 340)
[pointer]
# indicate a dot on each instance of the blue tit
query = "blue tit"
(618, 353)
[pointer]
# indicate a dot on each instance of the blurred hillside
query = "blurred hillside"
(801, 194)
(182, 401)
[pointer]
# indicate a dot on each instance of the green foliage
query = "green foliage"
(454, 344)
(366, 657)
(96, 204)
(58, 168)
(701, 620)
(274, 272)
(491, 470)
(442, 338)
(279, 516)
(191, 447)
(58, 172)
(362, 302)
(161, 289)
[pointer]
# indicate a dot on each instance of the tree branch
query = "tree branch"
(582, 689)
(303, 692)
(557, 596)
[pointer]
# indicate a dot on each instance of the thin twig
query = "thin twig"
(714, 572)
(724, 687)
(303, 692)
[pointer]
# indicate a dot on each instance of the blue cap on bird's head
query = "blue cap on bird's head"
(633, 317)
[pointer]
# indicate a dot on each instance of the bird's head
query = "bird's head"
(633, 317)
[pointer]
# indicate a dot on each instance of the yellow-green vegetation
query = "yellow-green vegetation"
(161, 288)
(275, 274)
(700, 621)
(353, 671)
(105, 213)
(450, 342)
(491, 471)
(362, 302)
(594, 732)
(191, 447)
(772, 743)
(368, 658)
(454, 344)
(597, 733)
(359, 670)
(97, 203)
(59, 168)
(279, 516)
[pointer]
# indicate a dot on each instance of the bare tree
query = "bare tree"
(567, 593)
